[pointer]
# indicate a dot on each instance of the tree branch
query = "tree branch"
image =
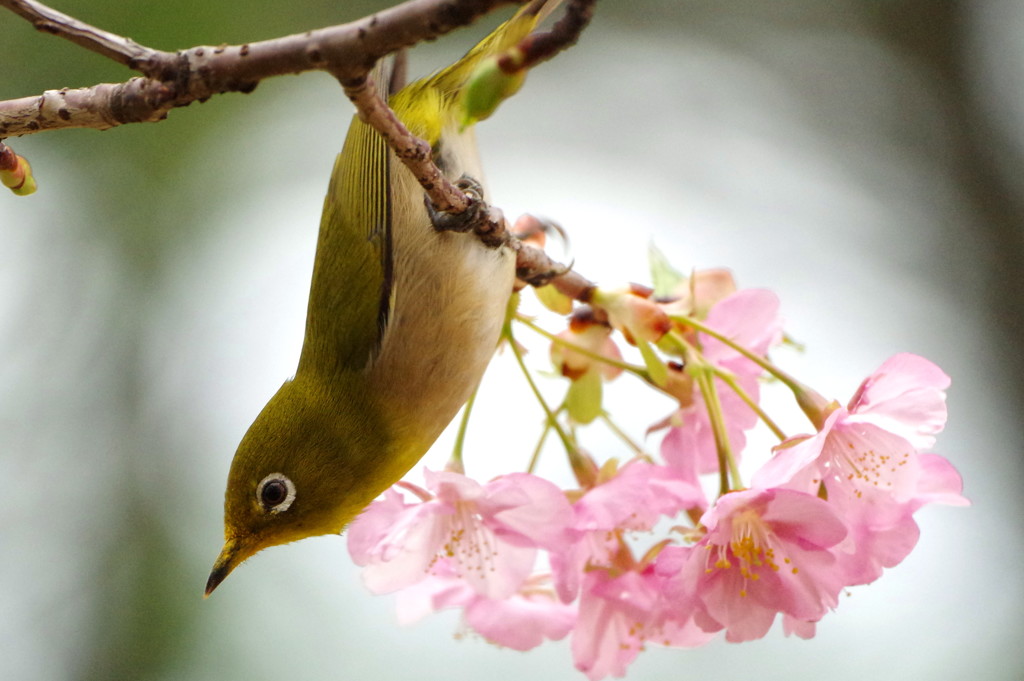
(177, 79)
(347, 51)
(536, 268)
(541, 46)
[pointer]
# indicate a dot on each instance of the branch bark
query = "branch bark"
(176, 79)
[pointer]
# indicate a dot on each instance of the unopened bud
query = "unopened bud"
(634, 314)
(488, 86)
(15, 172)
(591, 336)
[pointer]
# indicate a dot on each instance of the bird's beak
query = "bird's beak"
(234, 553)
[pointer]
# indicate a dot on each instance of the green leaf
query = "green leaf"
(583, 401)
(553, 299)
(656, 368)
(665, 278)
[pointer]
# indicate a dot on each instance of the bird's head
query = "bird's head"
(300, 471)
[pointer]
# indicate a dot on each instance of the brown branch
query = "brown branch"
(536, 268)
(138, 100)
(348, 50)
(539, 47)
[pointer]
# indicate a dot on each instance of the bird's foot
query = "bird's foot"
(487, 222)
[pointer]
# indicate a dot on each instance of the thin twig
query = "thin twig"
(536, 268)
(541, 46)
(120, 49)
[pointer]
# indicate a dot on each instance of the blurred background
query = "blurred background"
(861, 158)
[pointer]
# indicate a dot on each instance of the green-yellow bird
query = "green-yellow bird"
(402, 321)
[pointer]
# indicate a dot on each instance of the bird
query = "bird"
(402, 320)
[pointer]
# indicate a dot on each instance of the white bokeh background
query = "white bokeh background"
(808, 155)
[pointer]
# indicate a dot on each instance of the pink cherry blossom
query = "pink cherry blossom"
(850, 457)
(906, 396)
(619, 613)
(521, 621)
(766, 552)
(883, 534)
(868, 448)
(490, 532)
(866, 456)
(634, 500)
(750, 318)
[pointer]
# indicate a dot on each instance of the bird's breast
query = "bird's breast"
(449, 300)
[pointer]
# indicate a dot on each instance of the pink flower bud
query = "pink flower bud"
(634, 314)
(589, 335)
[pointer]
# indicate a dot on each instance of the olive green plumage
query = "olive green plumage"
(401, 323)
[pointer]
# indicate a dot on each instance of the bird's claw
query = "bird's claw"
(486, 222)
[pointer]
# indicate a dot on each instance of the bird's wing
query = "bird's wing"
(350, 296)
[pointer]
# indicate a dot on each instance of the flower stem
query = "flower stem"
(704, 373)
(778, 373)
(726, 460)
(814, 406)
(455, 463)
(624, 437)
(730, 380)
(552, 421)
(625, 366)
(540, 445)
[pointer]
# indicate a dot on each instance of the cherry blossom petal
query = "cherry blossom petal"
(750, 318)
(522, 621)
(800, 628)
(906, 396)
(636, 498)
(373, 524)
(435, 592)
(523, 505)
(766, 552)
(794, 463)
(617, 615)
(940, 483)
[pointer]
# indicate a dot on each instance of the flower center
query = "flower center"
(750, 548)
(469, 543)
(855, 462)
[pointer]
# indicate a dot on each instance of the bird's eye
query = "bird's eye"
(275, 493)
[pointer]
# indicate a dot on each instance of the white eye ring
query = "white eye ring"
(275, 493)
